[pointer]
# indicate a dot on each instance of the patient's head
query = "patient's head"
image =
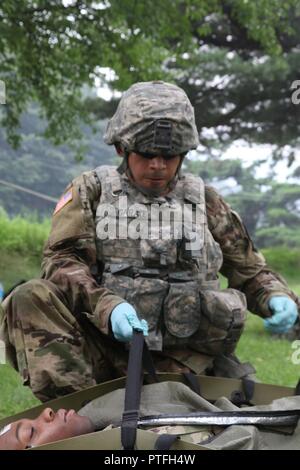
(47, 427)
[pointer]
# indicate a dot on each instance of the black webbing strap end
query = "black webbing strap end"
(128, 428)
(132, 391)
(244, 397)
(192, 381)
(165, 441)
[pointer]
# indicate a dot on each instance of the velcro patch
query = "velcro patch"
(67, 197)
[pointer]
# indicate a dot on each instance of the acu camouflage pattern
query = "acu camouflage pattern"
(190, 433)
(56, 353)
(163, 278)
(164, 397)
(141, 106)
(58, 326)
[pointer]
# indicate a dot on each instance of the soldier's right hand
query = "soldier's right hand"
(123, 320)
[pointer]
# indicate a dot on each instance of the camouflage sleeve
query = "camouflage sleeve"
(70, 253)
(244, 267)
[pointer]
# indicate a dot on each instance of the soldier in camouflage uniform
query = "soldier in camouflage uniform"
(69, 330)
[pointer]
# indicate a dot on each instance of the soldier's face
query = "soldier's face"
(153, 173)
(47, 427)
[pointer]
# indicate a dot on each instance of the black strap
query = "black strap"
(138, 352)
(132, 392)
(248, 387)
(244, 397)
(148, 362)
(192, 381)
(297, 388)
(164, 441)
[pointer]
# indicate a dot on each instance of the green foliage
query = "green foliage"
(275, 236)
(264, 21)
(40, 166)
(276, 215)
(16, 267)
(48, 51)
(270, 210)
(250, 99)
(22, 235)
(284, 260)
(215, 168)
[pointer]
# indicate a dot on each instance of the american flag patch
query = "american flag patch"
(67, 197)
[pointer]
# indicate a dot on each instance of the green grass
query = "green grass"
(13, 396)
(270, 356)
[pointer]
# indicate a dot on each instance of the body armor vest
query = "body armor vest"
(160, 256)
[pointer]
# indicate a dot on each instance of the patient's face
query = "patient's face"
(47, 427)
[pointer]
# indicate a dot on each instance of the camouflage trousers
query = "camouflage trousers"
(54, 352)
(57, 354)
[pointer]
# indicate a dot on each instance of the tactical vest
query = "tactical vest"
(160, 256)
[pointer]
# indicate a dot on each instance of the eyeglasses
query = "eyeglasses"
(149, 156)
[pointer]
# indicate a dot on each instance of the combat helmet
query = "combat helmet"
(153, 117)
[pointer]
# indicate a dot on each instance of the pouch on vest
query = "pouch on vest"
(147, 296)
(157, 252)
(182, 309)
(223, 314)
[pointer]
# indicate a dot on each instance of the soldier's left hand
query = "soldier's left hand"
(285, 314)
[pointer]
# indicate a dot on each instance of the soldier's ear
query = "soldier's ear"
(119, 150)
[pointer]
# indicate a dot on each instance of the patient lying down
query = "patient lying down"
(50, 426)
(156, 399)
(47, 427)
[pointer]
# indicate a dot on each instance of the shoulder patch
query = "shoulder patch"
(67, 197)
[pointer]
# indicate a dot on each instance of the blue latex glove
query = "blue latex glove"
(285, 313)
(123, 319)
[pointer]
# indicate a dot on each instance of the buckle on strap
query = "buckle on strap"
(130, 417)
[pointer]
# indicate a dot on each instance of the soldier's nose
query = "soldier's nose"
(157, 163)
(48, 415)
